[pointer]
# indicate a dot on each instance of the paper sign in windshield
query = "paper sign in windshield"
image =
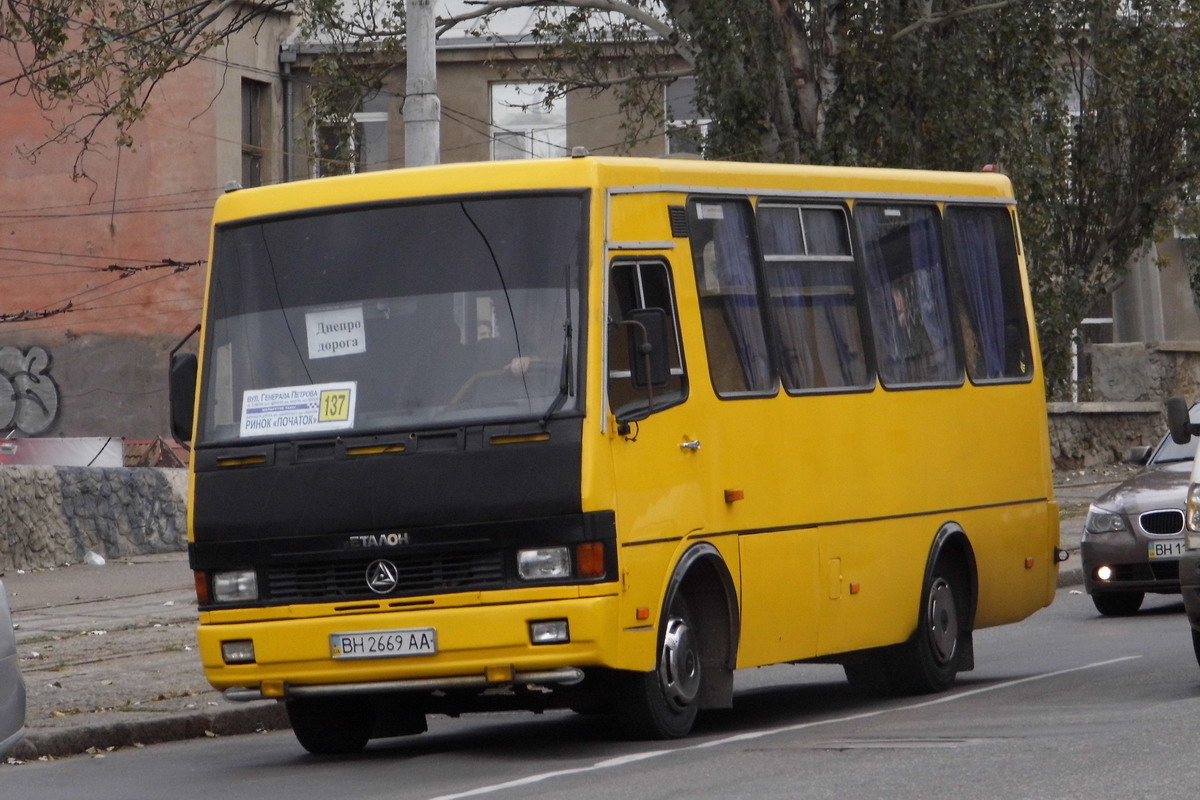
(336, 332)
(298, 409)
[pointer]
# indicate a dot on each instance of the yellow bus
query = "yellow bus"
(595, 433)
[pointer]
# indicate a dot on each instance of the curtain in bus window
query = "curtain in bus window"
(724, 261)
(983, 254)
(812, 297)
(974, 244)
(907, 294)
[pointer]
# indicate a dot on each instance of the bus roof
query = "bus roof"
(615, 174)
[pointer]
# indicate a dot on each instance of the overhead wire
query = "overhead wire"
(465, 119)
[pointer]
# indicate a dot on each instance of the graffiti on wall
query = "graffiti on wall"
(29, 397)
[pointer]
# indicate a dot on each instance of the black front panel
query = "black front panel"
(448, 512)
(420, 561)
(440, 478)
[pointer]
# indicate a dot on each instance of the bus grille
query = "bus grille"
(438, 574)
(1161, 523)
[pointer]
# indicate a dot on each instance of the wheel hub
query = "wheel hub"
(679, 668)
(943, 621)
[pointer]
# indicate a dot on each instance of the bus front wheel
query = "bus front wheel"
(662, 703)
(332, 725)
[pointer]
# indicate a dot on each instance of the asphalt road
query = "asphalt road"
(1065, 704)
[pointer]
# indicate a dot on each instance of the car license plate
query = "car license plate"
(384, 644)
(1169, 549)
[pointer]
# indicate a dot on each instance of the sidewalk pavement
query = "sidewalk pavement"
(109, 660)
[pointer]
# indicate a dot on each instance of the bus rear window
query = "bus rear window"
(986, 282)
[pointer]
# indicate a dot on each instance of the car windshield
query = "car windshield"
(1169, 452)
(372, 318)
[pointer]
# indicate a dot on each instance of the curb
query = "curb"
(63, 742)
(1071, 576)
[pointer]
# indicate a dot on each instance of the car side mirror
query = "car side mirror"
(1139, 455)
(1179, 421)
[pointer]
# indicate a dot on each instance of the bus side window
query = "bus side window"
(635, 286)
(986, 285)
(813, 296)
(907, 294)
(723, 251)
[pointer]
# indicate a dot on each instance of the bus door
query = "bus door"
(658, 463)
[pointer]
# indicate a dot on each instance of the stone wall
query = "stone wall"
(54, 515)
(1125, 388)
(1094, 434)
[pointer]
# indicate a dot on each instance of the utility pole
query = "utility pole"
(422, 108)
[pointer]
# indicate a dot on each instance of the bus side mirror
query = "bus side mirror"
(648, 348)
(1179, 421)
(182, 395)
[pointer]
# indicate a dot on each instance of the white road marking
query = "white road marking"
(621, 761)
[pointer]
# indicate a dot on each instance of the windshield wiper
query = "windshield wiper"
(564, 379)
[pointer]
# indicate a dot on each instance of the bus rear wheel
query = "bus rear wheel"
(327, 726)
(662, 703)
(928, 662)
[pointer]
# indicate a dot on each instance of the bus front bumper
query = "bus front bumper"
(479, 647)
(565, 676)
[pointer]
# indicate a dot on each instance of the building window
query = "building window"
(355, 142)
(254, 107)
(523, 126)
(686, 130)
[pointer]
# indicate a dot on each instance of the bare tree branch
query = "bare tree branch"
(931, 19)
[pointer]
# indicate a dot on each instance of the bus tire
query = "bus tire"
(327, 726)
(662, 703)
(1196, 645)
(928, 662)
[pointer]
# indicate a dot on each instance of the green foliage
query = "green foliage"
(1085, 104)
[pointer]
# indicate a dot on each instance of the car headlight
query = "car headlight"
(1101, 521)
(1192, 518)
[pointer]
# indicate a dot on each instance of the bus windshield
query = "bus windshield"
(373, 318)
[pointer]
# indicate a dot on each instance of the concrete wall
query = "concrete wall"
(1141, 371)
(54, 515)
(90, 385)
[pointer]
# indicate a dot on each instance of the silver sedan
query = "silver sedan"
(1133, 536)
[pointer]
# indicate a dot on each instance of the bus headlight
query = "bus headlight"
(1191, 525)
(1101, 521)
(544, 563)
(235, 586)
